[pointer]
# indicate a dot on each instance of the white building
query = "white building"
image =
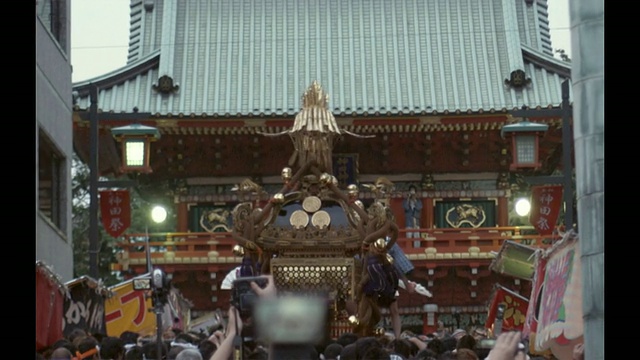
(54, 136)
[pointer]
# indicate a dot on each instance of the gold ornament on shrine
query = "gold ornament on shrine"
(311, 204)
(299, 219)
(314, 130)
(389, 258)
(380, 244)
(278, 198)
(238, 250)
(286, 174)
(321, 219)
(352, 190)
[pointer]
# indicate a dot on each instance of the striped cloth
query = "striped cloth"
(400, 260)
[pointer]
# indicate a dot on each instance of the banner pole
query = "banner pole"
(157, 303)
(148, 249)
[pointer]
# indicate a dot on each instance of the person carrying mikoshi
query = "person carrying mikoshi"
(382, 282)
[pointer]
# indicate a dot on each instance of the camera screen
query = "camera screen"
(290, 319)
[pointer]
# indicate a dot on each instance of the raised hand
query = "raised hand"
(506, 347)
(234, 325)
(268, 291)
(578, 352)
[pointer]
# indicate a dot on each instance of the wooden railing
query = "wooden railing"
(205, 247)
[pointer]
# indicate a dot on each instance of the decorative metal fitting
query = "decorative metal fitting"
(325, 178)
(238, 250)
(278, 198)
(380, 244)
(286, 174)
(389, 259)
(352, 190)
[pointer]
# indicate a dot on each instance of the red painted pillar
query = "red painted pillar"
(430, 319)
(503, 211)
(427, 213)
(183, 217)
(398, 212)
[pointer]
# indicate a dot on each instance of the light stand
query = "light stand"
(567, 141)
(159, 281)
(93, 172)
(156, 281)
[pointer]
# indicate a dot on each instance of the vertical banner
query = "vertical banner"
(84, 309)
(181, 310)
(514, 312)
(345, 169)
(115, 209)
(49, 303)
(129, 309)
(545, 207)
(535, 301)
(560, 324)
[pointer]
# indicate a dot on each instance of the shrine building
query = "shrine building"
(427, 87)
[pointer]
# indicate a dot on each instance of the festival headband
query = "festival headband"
(86, 354)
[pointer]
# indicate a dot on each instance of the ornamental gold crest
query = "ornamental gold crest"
(215, 220)
(462, 214)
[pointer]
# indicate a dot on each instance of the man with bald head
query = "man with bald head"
(61, 353)
(189, 354)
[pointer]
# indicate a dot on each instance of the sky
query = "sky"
(100, 34)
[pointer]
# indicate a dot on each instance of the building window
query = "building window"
(52, 13)
(51, 176)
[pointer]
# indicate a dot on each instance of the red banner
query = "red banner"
(515, 310)
(545, 207)
(115, 209)
(535, 301)
(49, 304)
(560, 318)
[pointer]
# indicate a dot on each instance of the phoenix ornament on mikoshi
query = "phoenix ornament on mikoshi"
(314, 130)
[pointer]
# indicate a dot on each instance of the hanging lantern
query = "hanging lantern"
(136, 140)
(525, 136)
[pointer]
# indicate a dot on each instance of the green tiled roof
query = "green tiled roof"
(252, 57)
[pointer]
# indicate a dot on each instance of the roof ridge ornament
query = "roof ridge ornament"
(517, 79)
(165, 85)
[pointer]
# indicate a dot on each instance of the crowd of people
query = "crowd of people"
(228, 342)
